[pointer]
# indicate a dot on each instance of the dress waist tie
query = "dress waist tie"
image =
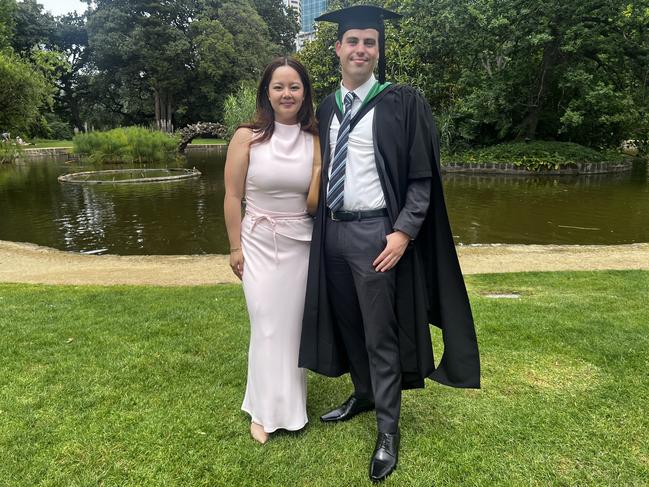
(258, 215)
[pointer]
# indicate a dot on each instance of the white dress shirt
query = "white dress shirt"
(362, 184)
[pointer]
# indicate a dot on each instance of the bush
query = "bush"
(535, 155)
(128, 144)
(50, 127)
(24, 92)
(239, 108)
(9, 152)
(59, 130)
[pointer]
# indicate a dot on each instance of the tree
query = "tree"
(33, 26)
(7, 22)
(71, 38)
(146, 41)
(319, 57)
(282, 21)
(25, 92)
(517, 68)
(187, 54)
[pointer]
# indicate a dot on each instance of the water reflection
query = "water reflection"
(596, 209)
(186, 217)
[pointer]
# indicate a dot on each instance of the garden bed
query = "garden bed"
(539, 157)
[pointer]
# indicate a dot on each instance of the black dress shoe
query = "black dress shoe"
(385, 457)
(347, 410)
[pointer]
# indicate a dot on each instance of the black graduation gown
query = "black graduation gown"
(429, 283)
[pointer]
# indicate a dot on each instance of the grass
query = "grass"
(209, 141)
(43, 144)
(142, 386)
(536, 155)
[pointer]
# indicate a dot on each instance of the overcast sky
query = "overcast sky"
(60, 7)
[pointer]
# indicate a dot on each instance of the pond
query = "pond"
(186, 217)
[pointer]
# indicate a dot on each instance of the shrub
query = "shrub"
(127, 144)
(239, 108)
(58, 129)
(535, 155)
(9, 152)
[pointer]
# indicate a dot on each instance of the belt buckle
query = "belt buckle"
(333, 218)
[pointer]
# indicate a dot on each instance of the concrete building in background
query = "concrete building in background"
(294, 4)
(309, 10)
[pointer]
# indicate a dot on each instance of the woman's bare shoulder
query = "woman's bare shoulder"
(243, 136)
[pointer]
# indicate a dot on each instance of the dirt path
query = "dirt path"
(29, 263)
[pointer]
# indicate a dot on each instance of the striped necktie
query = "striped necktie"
(335, 194)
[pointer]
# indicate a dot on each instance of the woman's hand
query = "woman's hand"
(236, 167)
(236, 262)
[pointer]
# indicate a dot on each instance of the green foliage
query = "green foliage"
(492, 71)
(56, 128)
(7, 22)
(535, 155)
(239, 108)
(25, 92)
(33, 26)
(319, 57)
(129, 144)
(515, 69)
(283, 23)
(209, 48)
(9, 152)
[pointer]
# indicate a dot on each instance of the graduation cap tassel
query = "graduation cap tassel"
(382, 55)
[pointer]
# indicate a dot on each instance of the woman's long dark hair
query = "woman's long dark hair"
(264, 122)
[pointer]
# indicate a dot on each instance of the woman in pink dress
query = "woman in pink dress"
(270, 163)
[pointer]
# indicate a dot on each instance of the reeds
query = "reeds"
(9, 152)
(126, 145)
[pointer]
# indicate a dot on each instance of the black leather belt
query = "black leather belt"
(348, 216)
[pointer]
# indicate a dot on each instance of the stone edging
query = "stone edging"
(67, 151)
(205, 147)
(451, 167)
(46, 151)
(505, 168)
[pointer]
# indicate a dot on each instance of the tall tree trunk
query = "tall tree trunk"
(169, 127)
(527, 128)
(157, 108)
(163, 111)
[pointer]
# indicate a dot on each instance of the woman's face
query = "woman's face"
(286, 93)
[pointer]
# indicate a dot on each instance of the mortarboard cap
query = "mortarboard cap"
(363, 17)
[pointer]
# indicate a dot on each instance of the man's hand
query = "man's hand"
(394, 249)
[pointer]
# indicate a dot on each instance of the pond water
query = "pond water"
(186, 217)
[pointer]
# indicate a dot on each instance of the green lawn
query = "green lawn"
(141, 386)
(41, 144)
(209, 141)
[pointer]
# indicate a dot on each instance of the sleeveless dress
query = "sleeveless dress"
(275, 239)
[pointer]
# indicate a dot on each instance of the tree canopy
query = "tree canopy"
(143, 62)
(492, 71)
(496, 71)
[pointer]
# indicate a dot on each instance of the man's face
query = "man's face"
(358, 52)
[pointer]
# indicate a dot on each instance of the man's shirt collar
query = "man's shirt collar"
(362, 91)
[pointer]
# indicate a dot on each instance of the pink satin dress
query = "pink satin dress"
(275, 238)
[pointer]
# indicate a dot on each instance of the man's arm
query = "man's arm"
(422, 154)
(414, 211)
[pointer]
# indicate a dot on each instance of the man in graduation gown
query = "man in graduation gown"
(383, 264)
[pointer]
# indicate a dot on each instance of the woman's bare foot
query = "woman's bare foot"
(258, 433)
